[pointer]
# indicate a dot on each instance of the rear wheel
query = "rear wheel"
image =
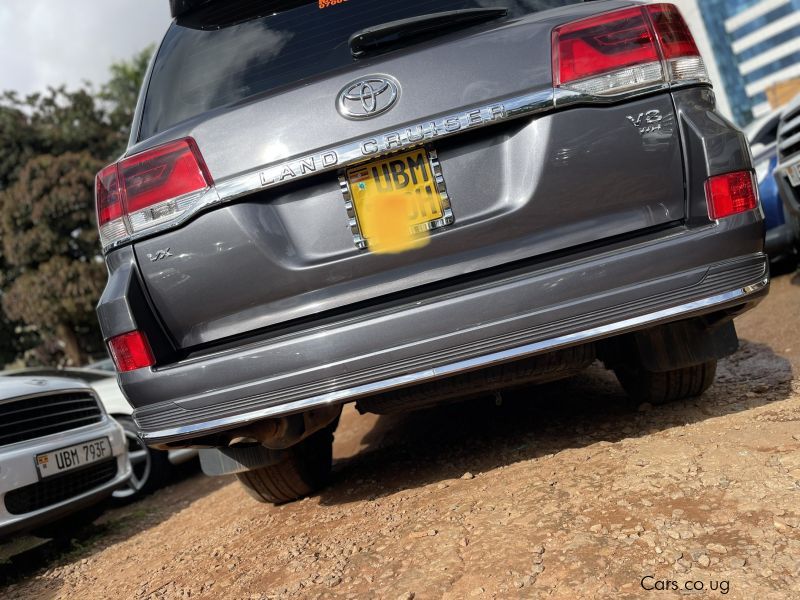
(305, 468)
(666, 386)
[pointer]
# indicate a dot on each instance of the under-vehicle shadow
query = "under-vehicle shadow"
(115, 524)
(415, 449)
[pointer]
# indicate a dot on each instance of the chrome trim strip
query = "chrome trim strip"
(197, 202)
(386, 142)
(415, 134)
(565, 97)
(350, 394)
(352, 219)
(436, 169)
(334, 158)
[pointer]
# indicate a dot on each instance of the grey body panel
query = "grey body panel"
(569, 225)
(520, 190)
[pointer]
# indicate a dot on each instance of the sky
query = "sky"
(50, 42)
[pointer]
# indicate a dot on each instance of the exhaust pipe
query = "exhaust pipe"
(284, 432)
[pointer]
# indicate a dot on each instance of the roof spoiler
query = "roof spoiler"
(226, 13)
(178, 8)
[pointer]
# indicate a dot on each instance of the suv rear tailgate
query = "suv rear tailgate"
(519, 189)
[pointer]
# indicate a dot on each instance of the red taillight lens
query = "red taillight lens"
(672, 31)
(731, 194)
(162, 173)
(627, 49)
(601, 44)
(131, 351)
(108, 196)
(165, 176)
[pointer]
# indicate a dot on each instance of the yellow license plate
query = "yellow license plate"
(407, 179)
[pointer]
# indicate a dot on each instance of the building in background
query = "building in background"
(692, 13)
(756, 47)
(751, 49)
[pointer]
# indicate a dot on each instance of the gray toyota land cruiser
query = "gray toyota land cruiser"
(404, 203)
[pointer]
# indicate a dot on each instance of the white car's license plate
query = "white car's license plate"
(794, 174)
(73, 457)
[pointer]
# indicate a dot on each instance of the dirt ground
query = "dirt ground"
(563, 491)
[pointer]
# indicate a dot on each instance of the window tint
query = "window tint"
(233, 50)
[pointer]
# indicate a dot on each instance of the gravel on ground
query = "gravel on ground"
(562, 491)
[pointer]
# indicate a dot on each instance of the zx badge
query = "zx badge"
(159, 255)
(647, 121)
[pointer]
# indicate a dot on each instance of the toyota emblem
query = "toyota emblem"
(368, 97)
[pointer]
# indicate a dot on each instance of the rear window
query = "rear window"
(229, 51)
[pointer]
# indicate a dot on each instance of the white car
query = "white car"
(60, 453)
(150, 469)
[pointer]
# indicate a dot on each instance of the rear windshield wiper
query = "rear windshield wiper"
(408, 30)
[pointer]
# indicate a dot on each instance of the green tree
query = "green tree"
(51, 241)
(17, 139)
(122, 90)
(51, 146)
(17, 146)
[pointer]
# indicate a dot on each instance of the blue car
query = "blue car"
(762, 134)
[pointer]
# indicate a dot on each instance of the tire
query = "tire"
(305, 469)
(668, 386)
(151, 468)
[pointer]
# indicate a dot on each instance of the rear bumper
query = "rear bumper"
(532, 309)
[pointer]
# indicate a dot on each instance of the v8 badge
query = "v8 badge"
(647, 121)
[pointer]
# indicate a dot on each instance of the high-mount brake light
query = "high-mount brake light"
(148, 189)
(731, 194)
(626, 50)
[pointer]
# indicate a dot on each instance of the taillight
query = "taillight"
(131, 351)
(731, 194)
(624, 50)
(108, 198)
(602, 44)
(148, 189)
(672, 31)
